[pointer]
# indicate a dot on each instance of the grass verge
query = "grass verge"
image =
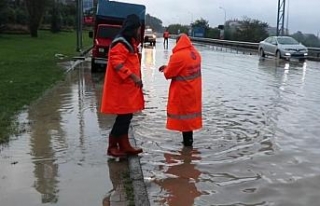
(28, 67)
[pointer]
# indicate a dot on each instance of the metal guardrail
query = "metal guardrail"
(240, 46)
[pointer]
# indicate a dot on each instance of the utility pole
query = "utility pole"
(225, 15)
(224, 23)
(287, 17)
(79, 24)
(281, 15)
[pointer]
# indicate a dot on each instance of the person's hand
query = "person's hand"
(162, 68)
(138, 83)
(137, 80)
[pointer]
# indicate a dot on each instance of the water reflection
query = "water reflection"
(46, 129)
(117, 170)
(182, 177)
(148, 65)
(166, 54)
(105, 121)
(148, 58)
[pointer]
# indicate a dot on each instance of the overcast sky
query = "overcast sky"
(304, 15)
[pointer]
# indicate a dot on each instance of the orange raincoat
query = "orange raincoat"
(185, 95)
(166, 34)
(120, 95)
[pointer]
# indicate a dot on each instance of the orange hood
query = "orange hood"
(183, 43)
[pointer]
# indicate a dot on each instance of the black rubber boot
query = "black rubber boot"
(187, 138)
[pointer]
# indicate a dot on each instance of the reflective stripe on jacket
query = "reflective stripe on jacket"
(184, 109)
(120, 95)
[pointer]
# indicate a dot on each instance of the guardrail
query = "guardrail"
(246, 47)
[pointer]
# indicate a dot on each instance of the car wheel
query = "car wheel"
(278, 55)
(262, 54)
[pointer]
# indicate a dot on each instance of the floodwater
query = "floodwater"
(60, 156)
(260, 140)
(259, 144)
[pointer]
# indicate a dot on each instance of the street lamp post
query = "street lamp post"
(191, 14)
(224, 24)
(191, 30)
(225, 15)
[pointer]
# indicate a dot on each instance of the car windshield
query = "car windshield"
(148, 32)
(287, 40)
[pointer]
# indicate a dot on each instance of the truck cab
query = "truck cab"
(108, 22)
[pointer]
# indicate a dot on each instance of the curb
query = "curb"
(79, 59)
(85, 52)
(141, 197)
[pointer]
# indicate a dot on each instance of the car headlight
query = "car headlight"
(154, 36)
(101, 50)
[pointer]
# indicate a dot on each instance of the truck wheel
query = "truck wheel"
(94, 67)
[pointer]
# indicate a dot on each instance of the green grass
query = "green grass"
(28, 67)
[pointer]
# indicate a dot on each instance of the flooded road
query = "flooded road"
(259, 144)
(60, 157)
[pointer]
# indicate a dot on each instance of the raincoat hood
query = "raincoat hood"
(130, 26)
(183, 42)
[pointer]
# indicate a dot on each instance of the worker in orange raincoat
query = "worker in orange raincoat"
(184, 109)
(122, 91)
(166, 39)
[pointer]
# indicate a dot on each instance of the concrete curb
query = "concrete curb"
(79, 59)
(141, 197)
(85, 52)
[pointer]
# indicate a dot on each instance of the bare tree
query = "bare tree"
(36, 10)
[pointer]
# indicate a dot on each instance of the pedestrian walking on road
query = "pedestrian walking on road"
(184, 108)
(122, 90)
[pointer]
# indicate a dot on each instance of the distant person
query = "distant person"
(184, 108)
(166, 39)
(122, 91)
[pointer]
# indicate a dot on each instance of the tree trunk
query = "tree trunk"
(33, 29)
(36, 9)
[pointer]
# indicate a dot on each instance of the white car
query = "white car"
(150, 37)
(284, 47)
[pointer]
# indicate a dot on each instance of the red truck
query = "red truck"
(108, 21)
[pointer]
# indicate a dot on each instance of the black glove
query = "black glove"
(162, 68)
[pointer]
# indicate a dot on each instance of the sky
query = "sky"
(304, 15)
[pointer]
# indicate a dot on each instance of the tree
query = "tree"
(56, 17)
(309, 40)
(36, 10)
(298, 36)
(213, 33)
(154, 23)
(251, 30)
(3, 13)
(201, 23)
(176, 28)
